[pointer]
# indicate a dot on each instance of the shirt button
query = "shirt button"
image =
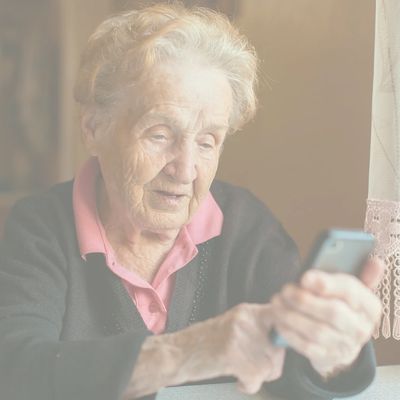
(153, 308)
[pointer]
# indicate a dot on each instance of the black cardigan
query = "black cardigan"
(69, 330)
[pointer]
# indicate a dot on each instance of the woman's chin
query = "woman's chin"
(161, 220)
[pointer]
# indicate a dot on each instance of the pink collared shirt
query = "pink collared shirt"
(151, 299)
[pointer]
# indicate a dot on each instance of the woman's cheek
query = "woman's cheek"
(211, 167)
(206, 174)
(146, 167)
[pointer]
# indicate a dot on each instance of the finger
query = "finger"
(344, 287)
(323, 332)
(372, 273)
(249, 387)
(252, 373)
(273, 366)
(251, 347)
(339, 353)
(252, 376)
(299, 343)
(317, 340)
(333, 312)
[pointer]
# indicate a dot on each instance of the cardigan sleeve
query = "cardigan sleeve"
(34, 363)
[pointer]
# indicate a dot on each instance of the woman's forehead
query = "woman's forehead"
(186, 83)
(172, 94)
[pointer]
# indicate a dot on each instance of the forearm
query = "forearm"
(156, 366)
(232, 344)
(174, 359)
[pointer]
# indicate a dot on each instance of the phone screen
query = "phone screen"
(341, 251)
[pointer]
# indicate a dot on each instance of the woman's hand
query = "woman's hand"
(236, 344)
(328, 318)
(232, 344)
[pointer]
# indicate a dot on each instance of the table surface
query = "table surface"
(385, 387)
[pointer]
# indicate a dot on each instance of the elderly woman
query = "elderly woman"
(144, 272)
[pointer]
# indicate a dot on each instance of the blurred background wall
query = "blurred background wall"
(306, 154)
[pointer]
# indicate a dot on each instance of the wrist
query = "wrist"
(156, 367)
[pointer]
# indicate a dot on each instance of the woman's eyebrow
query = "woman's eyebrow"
(168, 118)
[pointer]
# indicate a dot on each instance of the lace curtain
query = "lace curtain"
(383, 204)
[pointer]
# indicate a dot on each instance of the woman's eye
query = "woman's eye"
(158, 133)
(207, 142)
(159, 137)
(206, 146)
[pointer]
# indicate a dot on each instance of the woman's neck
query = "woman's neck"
(139, 250)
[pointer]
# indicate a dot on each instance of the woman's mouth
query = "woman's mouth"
(166, 199)
(172, 195)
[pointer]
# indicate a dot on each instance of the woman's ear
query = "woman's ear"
(88, 129)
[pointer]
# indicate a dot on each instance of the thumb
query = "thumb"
(372, 273)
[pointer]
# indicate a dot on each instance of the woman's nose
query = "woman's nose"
(182, 166)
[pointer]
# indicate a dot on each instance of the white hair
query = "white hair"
(127, 46)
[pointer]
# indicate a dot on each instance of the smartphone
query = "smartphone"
(335, 250)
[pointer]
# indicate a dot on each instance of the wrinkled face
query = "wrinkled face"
(160, 157)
